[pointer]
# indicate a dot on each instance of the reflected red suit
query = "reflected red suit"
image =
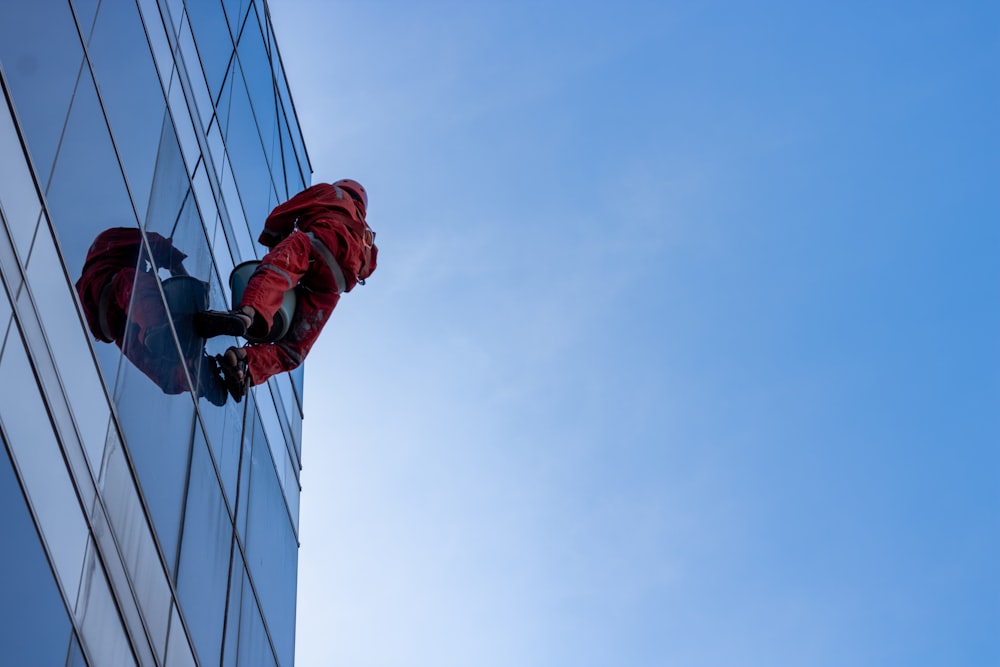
(133, 314)
(304, 233)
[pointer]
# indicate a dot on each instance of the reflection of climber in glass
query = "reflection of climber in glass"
(321, 246)
(122, 304)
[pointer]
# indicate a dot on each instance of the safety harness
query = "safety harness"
(331, 262)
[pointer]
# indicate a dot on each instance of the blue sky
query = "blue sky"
(683, 346)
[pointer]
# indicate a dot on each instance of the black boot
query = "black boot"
(211, 323)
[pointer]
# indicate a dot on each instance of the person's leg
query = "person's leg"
(311, 314)
(279, 271)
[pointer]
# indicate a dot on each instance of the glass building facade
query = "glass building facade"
(145, 519)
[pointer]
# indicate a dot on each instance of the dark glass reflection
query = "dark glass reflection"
(206, 544)
(121, 301)
(35, 628)
(245, 147)
(40, 54)
(215, 46)
(254, 647)
(130, 91)
(272, 551)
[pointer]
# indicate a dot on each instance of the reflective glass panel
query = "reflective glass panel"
(204, 99)
(230, 649)
(157, 38)
(35, 628)
(173, 210)
(101, 627)
(254, 434)
(87, 194)
(41, 77)
(67, 341)
(173, 10)
(86, 11)
(179, 651)
(215, 45)
(299, 153)
(18, 197)
(5, 313)
(224, 427)
(130, 91)
(42, 469)
(120, 586)
(246, 153)
(135, 540)
(180, 115)
(246, 246)
(171, 187)
(236, 12)
(272, 552)
(204, 559)
(298, 377)
(259, 80)
(157, 429)
(254, 647)
(75, 658)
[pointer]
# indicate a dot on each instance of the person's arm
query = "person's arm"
(281, 222)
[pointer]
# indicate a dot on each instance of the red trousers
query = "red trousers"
(291, 264)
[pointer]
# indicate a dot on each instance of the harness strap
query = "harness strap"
(283, 274)
(324, 252)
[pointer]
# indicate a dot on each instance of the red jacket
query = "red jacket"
(336, 219)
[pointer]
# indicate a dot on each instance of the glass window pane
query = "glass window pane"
(87, 193)
(246, 153)
(272, 552)
(179, 652)
(204, 559)
(135, 540)
(86, 12)
(130, 91)
(173, 10)
(120, 584)
(75, 658)
(173, 211)
(67, 340)
(272, 429)
(101, 627)
(18, 197)
(204, 99)
(224, 428)
(254, 433)
(41, 76)
(298, 377)
(157, 38)
(5, 313)
(236, 13)
(157, 429)
(41, 466)
(171, 187)
(180, 115)
(259, 80)
(246, 247)
(215, 46)
(254, 647)
(35, 628)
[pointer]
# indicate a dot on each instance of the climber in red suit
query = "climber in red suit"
(321, 246)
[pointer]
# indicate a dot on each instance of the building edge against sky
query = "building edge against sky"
(144, 523)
